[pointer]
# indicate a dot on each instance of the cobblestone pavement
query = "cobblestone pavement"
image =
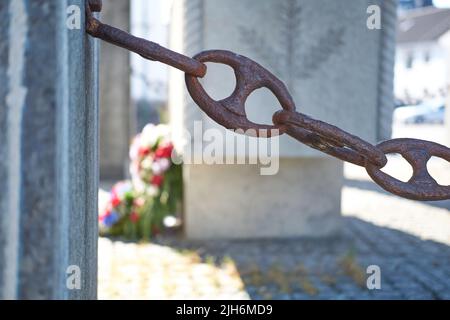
(408, 240)
(171, 268)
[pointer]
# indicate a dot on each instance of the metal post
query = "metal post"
(48, 155)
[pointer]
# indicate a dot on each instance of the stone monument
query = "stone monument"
(337, 69)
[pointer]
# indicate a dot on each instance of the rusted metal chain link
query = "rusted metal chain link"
(147, 49)
(421, 186)
(250, 76)
(230, 112)
(330, 139)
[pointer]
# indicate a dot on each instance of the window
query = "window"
(409, 61)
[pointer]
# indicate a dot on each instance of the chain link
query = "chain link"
(417, 152)
(147, 49)
(330, 139)
(250, 76)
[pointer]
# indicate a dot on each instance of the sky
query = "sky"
(441, 3)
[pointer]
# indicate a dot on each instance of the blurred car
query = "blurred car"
(434, 116)
(427, 112)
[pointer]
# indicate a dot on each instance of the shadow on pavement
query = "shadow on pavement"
(333, 268)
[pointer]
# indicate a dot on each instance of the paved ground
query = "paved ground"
(409, 241)
(411, 268)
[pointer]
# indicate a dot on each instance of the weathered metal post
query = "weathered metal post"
(48, 152)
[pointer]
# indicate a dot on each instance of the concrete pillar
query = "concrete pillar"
(117, 116)
(337, 69)
(48, 156)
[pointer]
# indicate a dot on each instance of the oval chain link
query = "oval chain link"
(421, 186)
(250, 76)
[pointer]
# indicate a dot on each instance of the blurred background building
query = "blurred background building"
(422, 63)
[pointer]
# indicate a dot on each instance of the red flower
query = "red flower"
(134, 217)
(143, 151)
(157, 180)
(103, 215)
(115, 200)
(164, 151)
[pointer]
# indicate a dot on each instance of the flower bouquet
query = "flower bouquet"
(136, 208)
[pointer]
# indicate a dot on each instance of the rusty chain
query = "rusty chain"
(250, 76)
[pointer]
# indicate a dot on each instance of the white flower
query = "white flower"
(149, 136)
(134, 169)
(134, 148)
(151, 190)
(139, 185)
(160, 166)
(121, 188)
(156, 168)
(164, 163)
(147, 163)
(163, 132)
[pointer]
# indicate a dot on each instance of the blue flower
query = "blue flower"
(111, 219)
